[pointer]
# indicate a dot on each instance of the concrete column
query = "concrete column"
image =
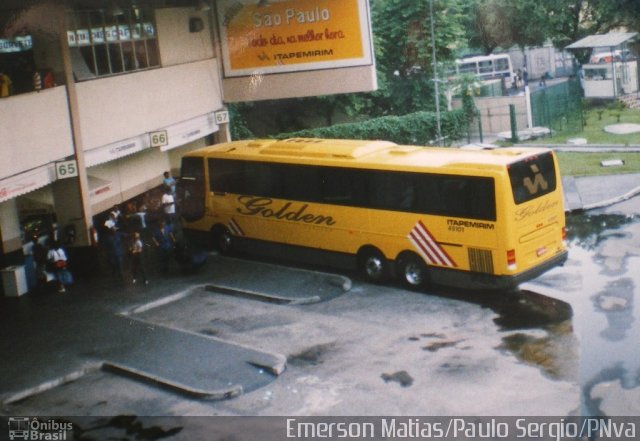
(69, 210)
(10, 226)
(223, 134)
(73, 193)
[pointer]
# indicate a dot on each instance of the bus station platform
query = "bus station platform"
(50, 339)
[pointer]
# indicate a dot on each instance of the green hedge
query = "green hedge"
(418, 128)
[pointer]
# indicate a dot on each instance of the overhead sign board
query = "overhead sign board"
(293, 35)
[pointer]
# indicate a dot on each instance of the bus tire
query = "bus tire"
(412, 271)
(222, 240)
(373, 265)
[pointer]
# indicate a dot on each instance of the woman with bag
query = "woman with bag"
(57, 260)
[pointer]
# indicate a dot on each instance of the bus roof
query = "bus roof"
(475, 58)
(361, 153)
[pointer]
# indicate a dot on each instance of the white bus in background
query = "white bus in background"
(486, 67)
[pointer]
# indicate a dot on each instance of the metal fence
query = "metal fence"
(558, 107)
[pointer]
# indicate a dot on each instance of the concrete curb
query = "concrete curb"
(161, 302)
(336, 280)
(613, 201)
(221, 394)
(227, 290)
(272, 362)
(51, 384)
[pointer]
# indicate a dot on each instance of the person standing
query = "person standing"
(115, 254)
(57, 259)
(137, 263)
(40, 256)
(170, 182)
(169, 206)
(165, 241)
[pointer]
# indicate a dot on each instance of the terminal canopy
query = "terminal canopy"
(609, 40)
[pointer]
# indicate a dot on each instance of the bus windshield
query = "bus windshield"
(532, 177)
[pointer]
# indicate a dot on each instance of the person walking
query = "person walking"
(164, 239)
(137, 263)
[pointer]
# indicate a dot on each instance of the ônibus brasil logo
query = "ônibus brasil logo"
(34, 429)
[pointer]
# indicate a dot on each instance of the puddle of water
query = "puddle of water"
(603, 262)
(311, 356)
(555, 352)
(589, 230)
(123, 427)
(538, 330)
(401, 377)
(434, 347)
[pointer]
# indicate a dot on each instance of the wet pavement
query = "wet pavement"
(376, 350)
(93, 333)
(601, 282)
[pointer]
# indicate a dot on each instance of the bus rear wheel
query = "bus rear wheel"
(373, 265)
(412, 271)
(222, 240)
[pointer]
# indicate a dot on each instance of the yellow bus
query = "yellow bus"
(464, 218)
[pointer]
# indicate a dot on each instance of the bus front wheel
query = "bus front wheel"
(222, 240)
(412, 271)
(373, 265)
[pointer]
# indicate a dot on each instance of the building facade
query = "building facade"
(98, 100)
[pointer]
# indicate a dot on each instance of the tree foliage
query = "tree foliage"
(419, 128)
(571, 20)
(505, 23)
(404, 51)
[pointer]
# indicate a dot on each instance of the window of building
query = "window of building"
(105, 42)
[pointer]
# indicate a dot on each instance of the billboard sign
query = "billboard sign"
(293, 35)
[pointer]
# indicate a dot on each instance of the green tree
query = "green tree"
(404, 51)
(480, 25)
(571, 20)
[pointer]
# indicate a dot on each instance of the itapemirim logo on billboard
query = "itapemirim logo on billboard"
(34, 429)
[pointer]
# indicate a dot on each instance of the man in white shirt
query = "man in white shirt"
(112, 222)
(169, 206)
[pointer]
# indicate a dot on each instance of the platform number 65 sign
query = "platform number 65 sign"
(66, 169)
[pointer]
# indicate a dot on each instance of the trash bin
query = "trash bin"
(14, 281)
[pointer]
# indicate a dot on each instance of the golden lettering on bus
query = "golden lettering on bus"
(538, 181)
(532, 210)
(264, 207)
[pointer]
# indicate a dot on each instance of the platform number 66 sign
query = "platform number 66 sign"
(159, 138)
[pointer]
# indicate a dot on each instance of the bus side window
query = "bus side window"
(263, 179)
(226, 176)
(393, 191)
(428, 197)
(341, 186)
(301, 183)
